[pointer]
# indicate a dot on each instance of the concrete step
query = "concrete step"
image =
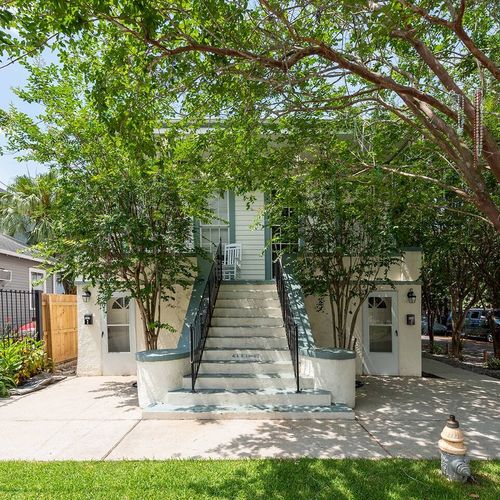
(248, 286)
(246, 294)
(222, 397)
(243, 366)
(247, 321)
(245, 303)
(248, 412)
(247, 312)
(247, 331)
(245, 342)
(255, 354)
(247, 381)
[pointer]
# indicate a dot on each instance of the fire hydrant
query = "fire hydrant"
(454, 463)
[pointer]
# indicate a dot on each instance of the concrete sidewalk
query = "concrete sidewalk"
(96, 418)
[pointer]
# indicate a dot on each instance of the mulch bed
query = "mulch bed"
(461, 364)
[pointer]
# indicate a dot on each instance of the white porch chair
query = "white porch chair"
(231, 265)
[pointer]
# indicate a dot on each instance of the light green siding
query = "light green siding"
(251, 237)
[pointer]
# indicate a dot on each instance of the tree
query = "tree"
(459, 255)
(490, 275)
(125, 228)
(26, 207)
(422, 62)
(434, 295)
(336, 227)
(345, 249)
(124, 195)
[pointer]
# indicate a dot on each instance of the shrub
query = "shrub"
(438, 350)
(6, 383)
(20, 360)
(493, 363)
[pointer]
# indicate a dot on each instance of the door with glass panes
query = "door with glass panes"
(118, 336)
(380, 334)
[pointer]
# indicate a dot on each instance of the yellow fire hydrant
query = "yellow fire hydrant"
(454, 463)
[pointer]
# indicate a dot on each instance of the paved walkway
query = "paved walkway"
(97, 418)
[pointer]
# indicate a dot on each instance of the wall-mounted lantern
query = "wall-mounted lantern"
(411, 296)
(86, 295)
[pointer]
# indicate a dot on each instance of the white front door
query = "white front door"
(118, 336)
(380, 334)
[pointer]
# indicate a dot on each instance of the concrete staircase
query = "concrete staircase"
(246, 370)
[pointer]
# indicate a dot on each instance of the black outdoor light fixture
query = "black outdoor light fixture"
(411, 296)
(86, 295)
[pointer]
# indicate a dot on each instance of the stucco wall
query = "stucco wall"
(409, 342)
(173, 313)
(89, 336)
(90, 356)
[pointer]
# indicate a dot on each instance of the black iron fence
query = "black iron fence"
(20, 314)
(292, 333)
(201, 323)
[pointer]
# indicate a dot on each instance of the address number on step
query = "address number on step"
(247, 356)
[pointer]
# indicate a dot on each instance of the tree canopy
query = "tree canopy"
(422, 63)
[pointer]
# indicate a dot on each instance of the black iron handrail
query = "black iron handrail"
(291, 329)
(201, 323)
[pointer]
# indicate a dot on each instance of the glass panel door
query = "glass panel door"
(380, 334)
(380, 324)
(118, 336)
(119, 324)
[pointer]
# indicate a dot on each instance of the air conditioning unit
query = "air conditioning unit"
(5, 275)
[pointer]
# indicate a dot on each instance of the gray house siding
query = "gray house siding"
(20, 273)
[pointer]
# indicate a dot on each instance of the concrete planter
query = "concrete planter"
(334, 371)
(158, 374)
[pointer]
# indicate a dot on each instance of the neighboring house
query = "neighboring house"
(246, 367)
(21, 270)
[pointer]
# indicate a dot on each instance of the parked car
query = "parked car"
(476, 323)
(437, 328)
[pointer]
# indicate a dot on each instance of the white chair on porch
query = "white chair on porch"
(231, 265)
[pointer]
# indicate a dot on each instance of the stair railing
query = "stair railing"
(200, 325)
(291, 328)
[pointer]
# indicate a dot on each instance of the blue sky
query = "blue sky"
(15, 76)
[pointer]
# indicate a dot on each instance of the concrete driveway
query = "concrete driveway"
(96, 418)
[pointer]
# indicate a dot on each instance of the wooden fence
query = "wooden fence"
(60, 326)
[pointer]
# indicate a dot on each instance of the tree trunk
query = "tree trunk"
(69, 286)
(151, 340)
(335, 319)
(430, 332)
(495, 332)
(457, 320)
(496, 342)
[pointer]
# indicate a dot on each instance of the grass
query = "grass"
(242, 479)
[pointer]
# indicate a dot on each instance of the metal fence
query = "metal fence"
(20, 314)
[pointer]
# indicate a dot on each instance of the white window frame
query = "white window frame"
(217, 224)
(38, 271)
(5, 280)
(54, 282)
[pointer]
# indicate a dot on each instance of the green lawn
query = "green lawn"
(252, 479)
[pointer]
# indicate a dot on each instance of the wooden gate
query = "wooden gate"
(60, 327)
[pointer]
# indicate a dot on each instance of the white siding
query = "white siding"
(252, 240)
